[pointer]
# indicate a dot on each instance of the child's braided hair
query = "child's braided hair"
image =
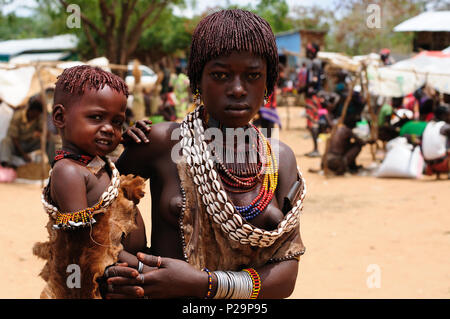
(77, 79)
(225, 31)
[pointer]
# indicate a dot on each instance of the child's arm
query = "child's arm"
(69, 198)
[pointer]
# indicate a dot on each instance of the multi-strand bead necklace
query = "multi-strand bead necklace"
(243, 182)
(199, 160)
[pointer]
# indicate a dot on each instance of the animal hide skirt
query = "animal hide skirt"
(77, 258)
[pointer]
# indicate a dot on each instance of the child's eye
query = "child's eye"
(118, 122)
(96, 117)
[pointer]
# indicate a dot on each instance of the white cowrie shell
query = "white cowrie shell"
(258, 231)
(213, 175)
(244, 241)
(241, 233)
(225, 228)
(216, 219)
(233, 236)
(247, 228)
(238, 220)
(222, 197)
(213, 208)
(231, 225)
(223, 216)
(216, 185)
(229, 208)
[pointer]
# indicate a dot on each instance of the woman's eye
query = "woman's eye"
(219, 75)
(254, 76)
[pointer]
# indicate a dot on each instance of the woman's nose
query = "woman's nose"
(238, 89)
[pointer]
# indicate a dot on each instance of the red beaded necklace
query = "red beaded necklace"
(85, 159)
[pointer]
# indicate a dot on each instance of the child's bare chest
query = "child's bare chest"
(96, 185)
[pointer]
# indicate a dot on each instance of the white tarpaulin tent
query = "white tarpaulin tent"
(19, 82)
(406, 76)
(15, 84)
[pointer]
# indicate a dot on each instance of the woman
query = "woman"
(225, 226)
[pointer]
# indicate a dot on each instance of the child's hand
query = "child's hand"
(137, 133)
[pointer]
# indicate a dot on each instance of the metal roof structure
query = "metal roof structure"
(60, 43)
(430, 21)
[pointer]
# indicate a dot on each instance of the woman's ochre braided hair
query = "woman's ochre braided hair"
(77, 79)
(225, 31)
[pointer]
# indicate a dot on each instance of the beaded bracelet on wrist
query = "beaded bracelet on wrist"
(209, 292)
(256, 280)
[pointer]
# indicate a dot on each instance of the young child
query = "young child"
(85, 188)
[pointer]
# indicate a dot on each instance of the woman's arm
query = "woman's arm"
(144, 146)
(176, 278)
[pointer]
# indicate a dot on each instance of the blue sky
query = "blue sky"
(201, 5)
(21, 7)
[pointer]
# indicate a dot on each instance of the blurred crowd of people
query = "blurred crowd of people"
(422, 117)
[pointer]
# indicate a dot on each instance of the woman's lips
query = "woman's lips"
(238, 109)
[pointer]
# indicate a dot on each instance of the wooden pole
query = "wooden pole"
(335, 127)
(38, 69)
(374, 128)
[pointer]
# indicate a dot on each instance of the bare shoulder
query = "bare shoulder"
(285, 156)
(67, 171)
(68, 185)
(287, 166)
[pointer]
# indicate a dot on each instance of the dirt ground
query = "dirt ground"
(365, 237)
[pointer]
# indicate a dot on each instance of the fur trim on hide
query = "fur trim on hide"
(92, 248)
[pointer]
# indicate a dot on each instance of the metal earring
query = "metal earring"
(266, 98)
(197, 98)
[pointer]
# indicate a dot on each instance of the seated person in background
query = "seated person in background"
(24, 134)
(435, 142)
(329, 104)
(413, 130)
(344, 147)
(387, 128)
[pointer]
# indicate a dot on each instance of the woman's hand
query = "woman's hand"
(137, 133)
(174, 278)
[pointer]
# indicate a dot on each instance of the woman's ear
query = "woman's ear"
(59, 116)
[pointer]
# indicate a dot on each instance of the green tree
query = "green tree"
(276, 13)
(351, 33)
(112, 28)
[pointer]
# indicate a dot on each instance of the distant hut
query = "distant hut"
(431, 30)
